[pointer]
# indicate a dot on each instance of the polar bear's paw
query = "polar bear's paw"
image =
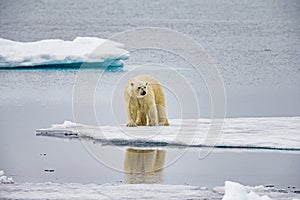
(131, 124)
(153, 124)
(166, 123)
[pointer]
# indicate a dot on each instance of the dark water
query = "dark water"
(255, 45)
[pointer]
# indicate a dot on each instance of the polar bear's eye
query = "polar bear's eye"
(139, 87)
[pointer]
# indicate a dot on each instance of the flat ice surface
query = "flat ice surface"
(276, 133)
(55, 51)
(140, 191)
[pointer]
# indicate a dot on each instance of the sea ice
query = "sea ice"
(73, 191)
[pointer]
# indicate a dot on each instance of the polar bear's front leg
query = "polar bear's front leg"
(131, 115)
(152, 116)
(141, 119)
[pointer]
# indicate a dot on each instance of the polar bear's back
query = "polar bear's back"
(144, 78)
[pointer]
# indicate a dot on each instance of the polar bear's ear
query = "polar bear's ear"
(146, 83)
(131, 84)
(129, 91)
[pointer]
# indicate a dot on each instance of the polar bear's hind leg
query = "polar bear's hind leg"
(162, 116)
(152, 116)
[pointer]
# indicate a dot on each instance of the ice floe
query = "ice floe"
(274, 133)
(58, 52)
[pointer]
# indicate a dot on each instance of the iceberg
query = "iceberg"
(94, 52)
(268, 133)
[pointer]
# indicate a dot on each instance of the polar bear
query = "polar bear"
(145, 102)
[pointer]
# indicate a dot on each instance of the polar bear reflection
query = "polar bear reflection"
(144, 165)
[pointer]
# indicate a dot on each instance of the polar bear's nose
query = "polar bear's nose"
(143, 93)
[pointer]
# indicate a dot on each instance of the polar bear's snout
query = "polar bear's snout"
(143, 92)
(142, 89)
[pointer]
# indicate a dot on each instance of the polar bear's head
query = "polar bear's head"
(140, 89)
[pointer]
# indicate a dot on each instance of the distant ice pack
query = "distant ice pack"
(100, 52)
(268, 133)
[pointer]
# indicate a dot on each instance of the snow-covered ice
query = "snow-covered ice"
(55, 51)
(275, 133)
(4, 179)
(236, 191)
